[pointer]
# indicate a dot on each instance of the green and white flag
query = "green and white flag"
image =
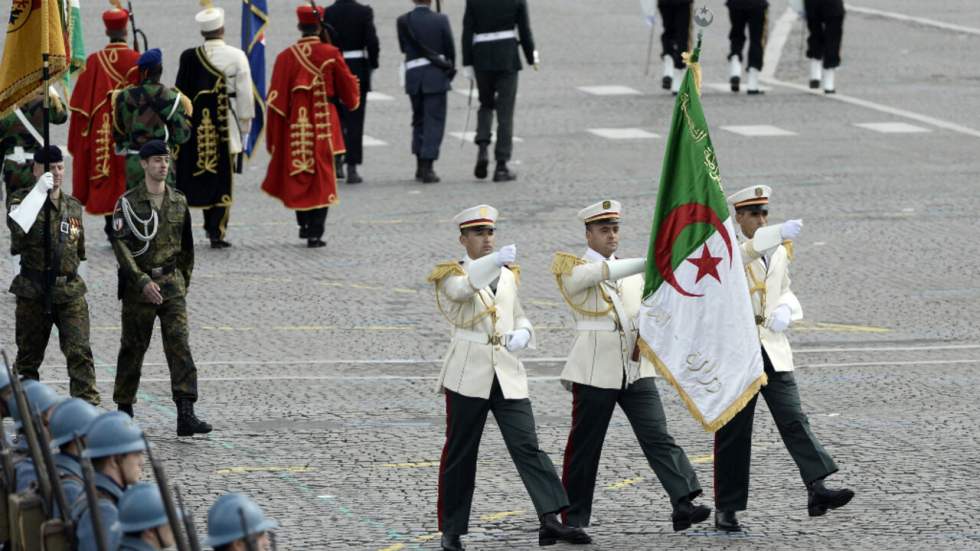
(696, 320)
(73, 19)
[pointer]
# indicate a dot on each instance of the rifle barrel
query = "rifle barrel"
(92, 497)
(168, 499)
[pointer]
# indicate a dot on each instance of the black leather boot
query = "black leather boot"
(450, 542)
(125, 408)
(187, 423)
(428, 173)
(502, 173)
(339, 167)
(687, 513)
(352, 176)
(820, 498)
(418, 169)
(726, 521)
(482, 162)
(552, 531)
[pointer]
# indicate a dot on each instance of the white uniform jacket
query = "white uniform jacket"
(234, 64)
(480, 318)
(768, 278)
(605, 314)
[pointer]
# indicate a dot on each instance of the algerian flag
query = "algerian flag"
(696, 320)
(76, 41)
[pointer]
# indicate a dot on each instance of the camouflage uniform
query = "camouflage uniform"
(13, 134)
(150, 111)
(168, 261)
(69, 310)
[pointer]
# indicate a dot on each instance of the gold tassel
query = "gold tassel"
(445, 269)
(695, 69)
(516, 270)
(116, 3)
(788, 245)
(207, 4)
(564, 263)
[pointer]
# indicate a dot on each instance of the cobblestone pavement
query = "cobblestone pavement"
(317, 366)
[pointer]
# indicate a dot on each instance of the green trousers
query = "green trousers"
(592, 408)
(465, 418)
(733, 442)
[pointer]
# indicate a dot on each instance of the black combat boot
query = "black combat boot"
(352, 176)
(820, 498)
(315, 243)
(429, 175)
(219, 244)
(125, 408)
(482, 161)
(687, 513)
(502, 173)
(450, 542)
(339, 167)
(726, 521)
(552, 531)
(187, 423)
(418, 169)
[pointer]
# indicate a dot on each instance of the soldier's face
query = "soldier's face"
(603, 238)
(479, 242)
(57, 170)
(156, 167)
(261, 543)
(751, 220)
(132, 467)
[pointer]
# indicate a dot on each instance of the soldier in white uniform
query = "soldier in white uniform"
(604, 293)
(766, 251)
(478, 296)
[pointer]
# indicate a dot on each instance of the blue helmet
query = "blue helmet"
(141, 508)
(70, 419)
(40, 396)
(225, 520)
(113, 433)
(4, 379)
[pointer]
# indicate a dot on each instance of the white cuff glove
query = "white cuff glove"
(790, 229)
(506, 255)
(619, 269)
(468, 72)
(45, 183)
(780, 319)
(517, 339)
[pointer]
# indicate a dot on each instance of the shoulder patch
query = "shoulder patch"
(564, 263)
(444, 270)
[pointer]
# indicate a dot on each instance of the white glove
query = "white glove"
(780, 319)
(517, 339)
(45, 183)
(245, 138)
(790, 229)
(468, 72)
(506, 255)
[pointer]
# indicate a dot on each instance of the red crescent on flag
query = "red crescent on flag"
(672, 226)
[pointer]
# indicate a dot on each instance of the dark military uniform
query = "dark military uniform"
(752, 14)
(825, 22)
(69, 310)
(150, 111)
(168, 261)
(18, 164)
(676, 39)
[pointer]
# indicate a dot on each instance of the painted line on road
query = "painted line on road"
(626, 483)
(248, 470)
(912, 19)
(493, 517)
(701, 459)
(418, 465)
(899, 363)
(776, 43)
(839, 327)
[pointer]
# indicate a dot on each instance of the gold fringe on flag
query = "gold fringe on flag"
(694, 67)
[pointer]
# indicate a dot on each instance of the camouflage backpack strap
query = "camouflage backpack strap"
(453, 269)
(562, 266)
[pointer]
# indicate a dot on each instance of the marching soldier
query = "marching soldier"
(825, 23)
(20, 138)
(41, 399)
(49, 289)
(300, 133)
(70, 420)
(676, 39)
(490, 55)
(427, 42)
(776, 307)
(234, 521)
(143, 519)
(155, 251)
(98, 174)
(149, 111)
(754, 15)
(358, 41)
(604, 293)
(478, 296)
(219, 80)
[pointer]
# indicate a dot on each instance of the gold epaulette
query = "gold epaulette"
(788, 245)
(444, 270)
(564, 263)
(516, 270)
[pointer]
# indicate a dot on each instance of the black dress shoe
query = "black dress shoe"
(339, 168)
(735, 82)
(315, 243)
(726, 521)
(552, 531)
(482, 162)
(814, 84)
(219, 244)
(304, 232)
(503, 174)
(687, 513)
(755, 92)
(125, 408)
(418, 169)
(450, 542)
(820, 498)
(429, 175)
(352, 176)
(666, 83)
(830, 91)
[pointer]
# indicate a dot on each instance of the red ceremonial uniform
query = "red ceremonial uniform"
(302, 130)
(98, 174)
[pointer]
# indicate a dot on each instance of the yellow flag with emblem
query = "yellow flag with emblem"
(21, 68)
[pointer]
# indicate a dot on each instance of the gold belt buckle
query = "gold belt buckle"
(495, 340)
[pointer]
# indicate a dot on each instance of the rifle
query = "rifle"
(92, 497)
(6, 483)
(250, 544)
(168, 499)
(30, 431)
(55, 533)
(137, 32)
(327, 32)
(188, 522)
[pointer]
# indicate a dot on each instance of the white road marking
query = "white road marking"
(465, 92)
(892, 127)
(468, 137)
(610, 90)
(623, 133)
(776, 42)
(913, 19)
(758, 130)
(368, 141)
(378, 96)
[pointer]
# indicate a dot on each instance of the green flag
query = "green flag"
(73, 19)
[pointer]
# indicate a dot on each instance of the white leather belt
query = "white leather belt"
(477, 337)
(492, 37)
(604, 324)
(416, 63)
(355, 54)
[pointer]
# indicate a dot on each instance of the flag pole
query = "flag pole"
(49, 270)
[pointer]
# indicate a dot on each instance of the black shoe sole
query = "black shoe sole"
(666, 83)
(814, 84)
(192, 432)
(735, 82)
(821, 509)
(506, 178)
(754, 92)
(830, 91)
(685, 523)
(480, 170)
(728, 529)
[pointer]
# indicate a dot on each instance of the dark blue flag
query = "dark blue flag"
(255, 17)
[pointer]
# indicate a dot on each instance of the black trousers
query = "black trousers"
(825, 34)
(465, 418)
(498, 92)
(216, 221)
(353, 125)
(311, 222)
(676, 38)
(756, 19)
(733, 442)
(592, 408)
(428, 124)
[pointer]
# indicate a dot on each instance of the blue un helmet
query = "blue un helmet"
(113, 433)
(225, 520)
(141, 508)
(70, 419)
(40, 396)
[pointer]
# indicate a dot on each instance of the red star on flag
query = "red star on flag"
(707, 264)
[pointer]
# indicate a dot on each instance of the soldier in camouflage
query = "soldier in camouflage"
(154, 246)
(66, 306)
(150, 111)
(18, 141)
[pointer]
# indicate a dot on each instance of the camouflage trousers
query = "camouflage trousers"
(135, 175)
(34, 330)
(138, 319)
